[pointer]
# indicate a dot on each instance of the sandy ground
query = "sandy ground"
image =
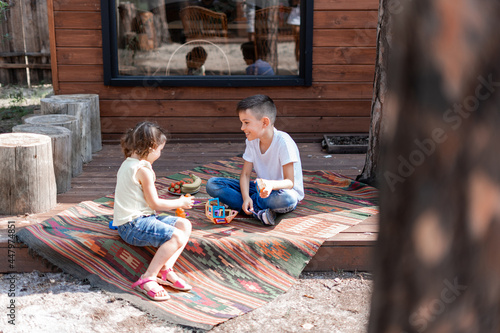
(56, 302)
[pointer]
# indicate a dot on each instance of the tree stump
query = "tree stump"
(61, 151)
(26, 174)
(78, 108)
(127, 12)
(73, 124)
(95, 115)
(147, 33)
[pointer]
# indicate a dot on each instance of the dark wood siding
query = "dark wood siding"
(338, 101)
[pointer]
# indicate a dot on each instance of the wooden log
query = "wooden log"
(127, 12)
(26, 174)
(78, 108)
(61, 151)
(147, 33)
(73, 124)
(95, 116)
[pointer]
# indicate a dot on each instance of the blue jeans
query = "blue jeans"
(151, 230)
(229, 192)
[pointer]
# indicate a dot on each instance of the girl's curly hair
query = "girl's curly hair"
(142, 138)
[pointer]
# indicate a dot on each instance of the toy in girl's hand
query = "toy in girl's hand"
(180, 211)
(219, 214)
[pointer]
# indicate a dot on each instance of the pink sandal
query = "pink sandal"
(139, 285)
(179, 284)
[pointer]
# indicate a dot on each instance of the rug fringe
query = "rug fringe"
(44, 261)
(35, 255)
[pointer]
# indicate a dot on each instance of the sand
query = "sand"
(56, 302)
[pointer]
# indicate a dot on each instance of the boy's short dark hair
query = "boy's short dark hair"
(248, 50)
(260, 105)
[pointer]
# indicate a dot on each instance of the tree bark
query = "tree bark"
(384, 35)
(436, 259)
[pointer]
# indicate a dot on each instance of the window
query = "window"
(223, 43)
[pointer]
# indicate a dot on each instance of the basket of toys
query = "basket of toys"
(219, 214)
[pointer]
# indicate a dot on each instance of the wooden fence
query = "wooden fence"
(25, 46)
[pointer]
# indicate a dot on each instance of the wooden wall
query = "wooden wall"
(338, 101)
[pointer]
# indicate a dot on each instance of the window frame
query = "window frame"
(112, 78)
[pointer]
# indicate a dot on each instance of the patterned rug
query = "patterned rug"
(234, 268)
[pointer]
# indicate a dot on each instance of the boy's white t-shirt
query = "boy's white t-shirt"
(283, 150)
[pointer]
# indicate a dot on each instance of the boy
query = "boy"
(276, 160)
(255, 66)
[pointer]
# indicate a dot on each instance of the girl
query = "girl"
(136, 201)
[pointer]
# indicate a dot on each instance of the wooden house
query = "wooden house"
(331, 94)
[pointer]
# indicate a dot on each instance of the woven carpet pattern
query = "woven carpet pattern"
(234, 268)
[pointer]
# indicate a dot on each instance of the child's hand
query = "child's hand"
(186, 201)
(264, 187)
(247, 206)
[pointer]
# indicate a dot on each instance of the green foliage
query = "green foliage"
(15, 110)
(17, 102)
(17, 97)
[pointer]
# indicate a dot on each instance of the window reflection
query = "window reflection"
(208, 37)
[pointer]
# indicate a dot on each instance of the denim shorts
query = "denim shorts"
(151, 230)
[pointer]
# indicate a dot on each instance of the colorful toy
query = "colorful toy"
(219, 214)
(111, 226)
(180, 211)
(259, 183)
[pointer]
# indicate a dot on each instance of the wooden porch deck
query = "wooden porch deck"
(349, 250)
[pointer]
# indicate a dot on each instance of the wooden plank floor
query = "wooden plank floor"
(349, 250)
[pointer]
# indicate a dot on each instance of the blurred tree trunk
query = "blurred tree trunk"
(437, 257)
(384, 35)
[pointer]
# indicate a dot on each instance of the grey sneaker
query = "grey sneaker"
(267, 216)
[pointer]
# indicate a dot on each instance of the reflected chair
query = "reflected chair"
(202, 23)
(266, 35)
